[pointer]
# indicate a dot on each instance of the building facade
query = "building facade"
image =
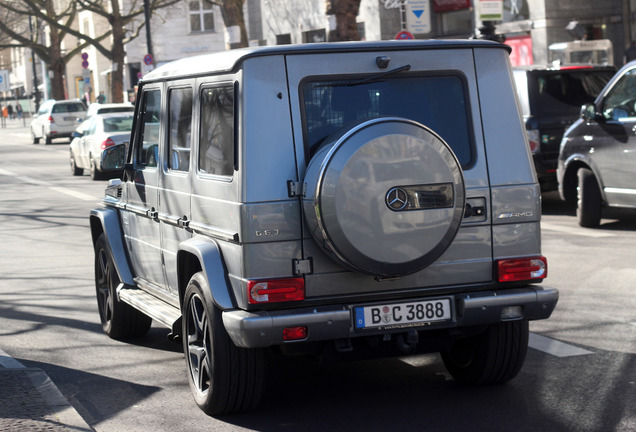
(193, 27)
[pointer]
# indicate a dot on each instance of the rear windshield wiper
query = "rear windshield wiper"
(378, 77)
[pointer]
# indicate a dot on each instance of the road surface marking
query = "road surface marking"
(554, 347)
(586, 232)
(66, 191)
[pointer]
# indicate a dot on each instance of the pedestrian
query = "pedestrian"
(10, 111)
(101, 98)
(18, 110)
(630, 53)
(5, 112)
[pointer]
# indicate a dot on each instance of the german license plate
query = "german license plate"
(399, 315)
(70, 118)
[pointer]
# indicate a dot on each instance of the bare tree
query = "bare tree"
(234, 20)
(60, 16)
(346, 12)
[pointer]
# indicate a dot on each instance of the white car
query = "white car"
(56, 119)
(94, 136)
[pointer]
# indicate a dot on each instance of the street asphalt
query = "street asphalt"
(29, 400)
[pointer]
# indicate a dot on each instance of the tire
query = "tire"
(223, 378)
(492, 357)
(119, 320)
(47, 138)
(96, 174)
(75, 170)
(588, 208)
(36, 140)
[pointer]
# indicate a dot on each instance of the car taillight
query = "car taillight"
(274, 291)
(533, 140)
(522, 269)
(50, 119)
(108, 143)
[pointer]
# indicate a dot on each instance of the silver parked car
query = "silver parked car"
(95, 135)
(56, 119)
(349, 198)
(598, 152)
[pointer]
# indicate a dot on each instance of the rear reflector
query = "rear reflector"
(522, 269)
(274, 291)
(295, 333)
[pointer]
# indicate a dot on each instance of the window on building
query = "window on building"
(180, 129)
(283, 39)
(457, 23)
(201, 16)
(314, 36)
(216, 141)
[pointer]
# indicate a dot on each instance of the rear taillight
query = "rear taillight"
(522, 269)
(108, 143)
(533, 140)
(274, 291)
(50, 119)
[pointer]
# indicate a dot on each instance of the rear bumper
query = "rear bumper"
(263, 329)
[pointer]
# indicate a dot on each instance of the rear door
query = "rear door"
(434, 88)
(176, 179)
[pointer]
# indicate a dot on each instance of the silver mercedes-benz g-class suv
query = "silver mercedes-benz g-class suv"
(335, 197)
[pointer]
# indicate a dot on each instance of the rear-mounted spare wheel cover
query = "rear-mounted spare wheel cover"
(385, 197)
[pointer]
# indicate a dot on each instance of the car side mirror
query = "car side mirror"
(589, 114)
(77, 134)
(113, 158)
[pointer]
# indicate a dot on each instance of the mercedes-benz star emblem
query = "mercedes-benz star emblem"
(397, 199)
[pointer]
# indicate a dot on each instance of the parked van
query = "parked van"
(359, 198)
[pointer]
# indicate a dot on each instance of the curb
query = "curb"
(31, 401)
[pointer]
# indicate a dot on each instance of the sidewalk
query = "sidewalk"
(30, 401)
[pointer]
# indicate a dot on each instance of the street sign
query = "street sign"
(418, 16)
(404, 35)
(490, 10)
(148, 59)
(85, 64)
(84, 56)
(4, 80)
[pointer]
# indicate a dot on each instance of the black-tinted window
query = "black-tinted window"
(180, 129)
(560, 93)
(439, 102)
(216, 153)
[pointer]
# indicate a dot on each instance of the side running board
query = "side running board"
(150, 305)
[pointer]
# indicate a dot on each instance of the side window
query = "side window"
(216, 141)
(180, 125)
(148, 143)
(621, 101)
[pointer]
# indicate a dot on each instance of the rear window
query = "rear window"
(68, 108)
(559, 93)
(118, 124)
(115, 110)
(439, 102)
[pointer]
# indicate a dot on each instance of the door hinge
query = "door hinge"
(302, 266)
(296, 189)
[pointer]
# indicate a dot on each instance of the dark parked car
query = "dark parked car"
(598, 153)
(551, 97)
